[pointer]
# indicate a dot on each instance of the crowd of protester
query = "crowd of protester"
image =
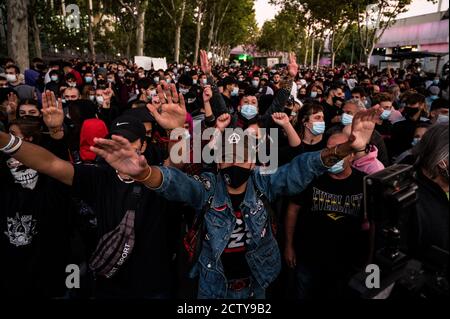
(85, 170)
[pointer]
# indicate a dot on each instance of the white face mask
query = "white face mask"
(72, 84)
(24, 176)
(99, 99)
(11, 78)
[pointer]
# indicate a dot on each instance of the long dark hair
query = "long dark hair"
(30, 128)
(306, 111)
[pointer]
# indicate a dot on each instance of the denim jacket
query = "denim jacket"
(263, 255)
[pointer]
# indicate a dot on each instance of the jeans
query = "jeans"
(253, 291)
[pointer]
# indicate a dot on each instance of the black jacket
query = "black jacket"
(429, 221)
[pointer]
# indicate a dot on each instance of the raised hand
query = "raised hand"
(169, 110)
(362, 127)
(204, 63)
(11, 107)
(107, 95)
(207, 93)
(281, 119)
(52, 112)
(119, 153)
(293, 66)
(223, 121)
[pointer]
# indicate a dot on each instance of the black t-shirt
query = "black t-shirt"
(34, 235)
(147, 271)
(233, 257)
(402, 135)
(287, 153)
(328, 232)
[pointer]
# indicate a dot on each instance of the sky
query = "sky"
(265, 11)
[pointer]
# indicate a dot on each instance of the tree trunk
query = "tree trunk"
(63, 8)
(198, 34)
(212, 20)
(312, 52)
(37, 38)
(140, 27)
(2, 27)
(318, 56)
(177, 43)
(353, 50)
(179, 24)
(333, 52)
(91, 33)
(305, 61)
(18, 32)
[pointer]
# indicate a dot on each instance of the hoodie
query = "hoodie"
(91, 128)
(369, 163)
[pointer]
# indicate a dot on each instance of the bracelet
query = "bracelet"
(15, 148)
(12, 140)
(54, 131)
(365, 150)
(146, 177)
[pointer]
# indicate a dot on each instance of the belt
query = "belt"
(239, 284)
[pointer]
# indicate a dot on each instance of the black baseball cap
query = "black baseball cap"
(128, 127)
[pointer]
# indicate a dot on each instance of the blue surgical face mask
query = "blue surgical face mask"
(205, 81)
(255, 83)
(442, 119)
(317, 128)
(434, 97)
(156, 79)
(386, 114)
(415, 141)
(346, 119)
(337, 168)
(249, 111)
(194, 81)
(235, 92)
(184, 91)
(88, 79)
(54, 78)
(313, 95)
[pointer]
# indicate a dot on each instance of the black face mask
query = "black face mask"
(288, 111)
(410, 111)
(235, 176)
(338, 99)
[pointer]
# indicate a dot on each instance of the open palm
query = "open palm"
(120, 155)
(293, 66)
(362, 127)
(170, 110)
(52, 112)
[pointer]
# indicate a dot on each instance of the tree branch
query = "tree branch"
(166, 10)
(126, 6)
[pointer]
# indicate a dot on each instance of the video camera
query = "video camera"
(389, 200)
